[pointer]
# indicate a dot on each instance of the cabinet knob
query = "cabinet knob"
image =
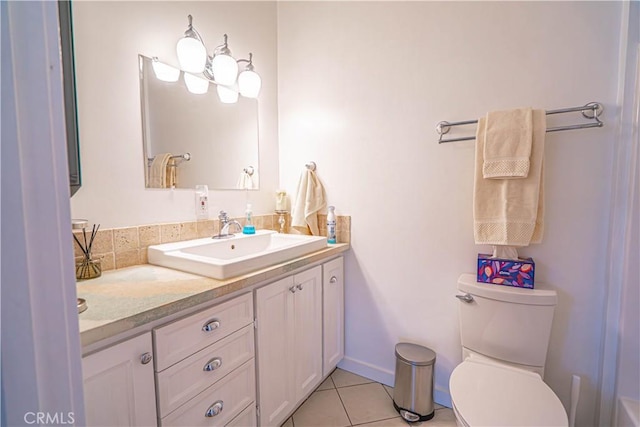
(146, 358)
(211, 325)
(292, 289)
(214, 409)
(299, 286)
(213, 364)
(333, 279)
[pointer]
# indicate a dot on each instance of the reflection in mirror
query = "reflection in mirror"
(191, 139)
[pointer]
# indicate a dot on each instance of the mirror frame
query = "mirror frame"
(69, 88)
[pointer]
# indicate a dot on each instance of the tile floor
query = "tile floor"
(345, 399)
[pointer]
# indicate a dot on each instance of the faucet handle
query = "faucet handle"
(223, 216)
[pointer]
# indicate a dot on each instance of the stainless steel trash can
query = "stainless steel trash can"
(413, 388)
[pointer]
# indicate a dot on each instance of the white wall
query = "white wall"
(108, 37)
(361, 87)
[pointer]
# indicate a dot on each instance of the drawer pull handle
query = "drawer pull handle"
(299, 286)
(213, 364)
(333, 279)
(214, 409)
(211, 325)
(292, 289)
(146, 358)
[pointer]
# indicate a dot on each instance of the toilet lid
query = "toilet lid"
(490, 395)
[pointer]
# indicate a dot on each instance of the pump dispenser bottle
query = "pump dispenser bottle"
(248, 227)
(331, 225)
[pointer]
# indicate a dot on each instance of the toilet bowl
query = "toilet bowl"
(504, 334)
(491, 394)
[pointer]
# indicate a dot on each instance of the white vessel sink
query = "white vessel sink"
(240, 254)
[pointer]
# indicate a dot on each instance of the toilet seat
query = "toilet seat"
(489, 394)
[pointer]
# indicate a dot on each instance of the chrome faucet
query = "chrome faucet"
(225, 225)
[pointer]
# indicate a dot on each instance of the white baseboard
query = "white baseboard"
(386, 377)
(627, 413)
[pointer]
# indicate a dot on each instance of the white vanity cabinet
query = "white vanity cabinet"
(249, 359)
(205, 366)
(289, 341)
(332, 314)
(118, 384)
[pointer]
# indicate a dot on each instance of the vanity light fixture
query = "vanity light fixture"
(195, 84)
(249, 82)
(227, 95)
(192, 55)
(220, 67)
(165, 72)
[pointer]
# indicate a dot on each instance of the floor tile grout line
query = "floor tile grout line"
(376, 421)
(370, 421)
(355, 385)
(385, 389)
(343, 406)
(331, 378)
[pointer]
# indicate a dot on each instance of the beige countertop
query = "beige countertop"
(128, 299)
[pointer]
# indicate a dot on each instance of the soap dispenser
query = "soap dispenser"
(331, 225)
(248, 227)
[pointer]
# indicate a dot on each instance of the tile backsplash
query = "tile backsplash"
(125, 247)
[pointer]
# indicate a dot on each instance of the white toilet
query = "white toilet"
(505, 335)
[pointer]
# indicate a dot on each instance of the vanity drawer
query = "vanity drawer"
(246, 418)
(184, 380)
(184, 337)
(232, 393)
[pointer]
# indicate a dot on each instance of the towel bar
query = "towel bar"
(589, 111)
(185, 156)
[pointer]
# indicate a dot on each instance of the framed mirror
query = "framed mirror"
(192, 139)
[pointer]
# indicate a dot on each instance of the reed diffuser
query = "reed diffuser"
(87, 268)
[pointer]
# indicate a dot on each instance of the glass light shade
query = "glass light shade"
(225, 69)
(249, 83)
(195, 84)
(165, 72)
(227, 95)
(192, 54)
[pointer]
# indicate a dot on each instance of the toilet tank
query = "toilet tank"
(506, 323)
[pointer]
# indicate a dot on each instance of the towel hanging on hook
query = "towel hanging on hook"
(310, 199)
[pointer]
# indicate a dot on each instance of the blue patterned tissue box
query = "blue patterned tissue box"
(508, 272)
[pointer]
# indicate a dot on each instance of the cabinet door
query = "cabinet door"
(308, 330)
(274, 311)
(333, 314)
(118, 385)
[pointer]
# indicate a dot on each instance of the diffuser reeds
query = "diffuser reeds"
(87, 268)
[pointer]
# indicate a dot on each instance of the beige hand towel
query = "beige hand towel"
(158, 171)
(310, 199)
(172, 173)
(510, 211)
(507, 144)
